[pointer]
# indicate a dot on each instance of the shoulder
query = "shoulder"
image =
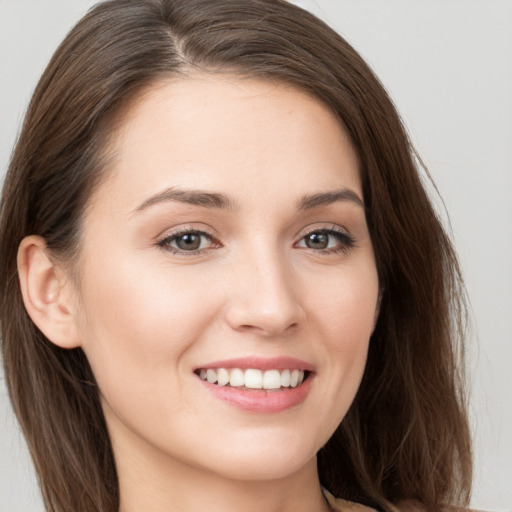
(415, 506)
(339, 505)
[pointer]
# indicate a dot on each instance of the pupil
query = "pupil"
(317, 241)
(189, 242)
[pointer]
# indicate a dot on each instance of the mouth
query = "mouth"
(254, 378)
(258, 385)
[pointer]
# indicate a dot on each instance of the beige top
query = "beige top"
(340, 505)
(345, 506)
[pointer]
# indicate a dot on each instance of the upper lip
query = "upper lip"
(261, 363)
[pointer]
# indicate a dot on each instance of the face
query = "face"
(228, 282)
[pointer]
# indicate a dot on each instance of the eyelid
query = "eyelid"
(346, 240)
(323, 226)
(184, 229)
(163, 241)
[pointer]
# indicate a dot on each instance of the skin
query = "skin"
(147, 316)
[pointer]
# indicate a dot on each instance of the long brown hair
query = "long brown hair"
(406, 435)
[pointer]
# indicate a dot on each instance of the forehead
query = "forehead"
(221, 131)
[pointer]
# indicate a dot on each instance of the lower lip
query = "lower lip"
(260, 400)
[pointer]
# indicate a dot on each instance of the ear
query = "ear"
(47, 293)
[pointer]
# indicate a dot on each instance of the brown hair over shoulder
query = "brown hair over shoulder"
(406, 435)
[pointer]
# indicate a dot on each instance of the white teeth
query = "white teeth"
(253, 378)
(236, 378)
(285, 378)
(222, 377)
(294, 378)
(211, 376)
(272, 379)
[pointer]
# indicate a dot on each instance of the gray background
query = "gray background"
(448, 66)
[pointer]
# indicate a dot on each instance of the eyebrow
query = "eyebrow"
(221, 201)
(193, 197)
(326, 198)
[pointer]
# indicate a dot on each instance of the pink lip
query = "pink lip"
(260, 400)
(262, 363)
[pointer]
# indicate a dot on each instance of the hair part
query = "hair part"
(406, 435)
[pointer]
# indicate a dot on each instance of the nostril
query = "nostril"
(268, 329)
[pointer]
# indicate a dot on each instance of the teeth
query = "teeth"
(236, 378)
(271, 379)
(222, 377)
(294, 378)
(253, 378)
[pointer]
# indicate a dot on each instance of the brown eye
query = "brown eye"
(327, 241)
(188, 242)
(317, 240)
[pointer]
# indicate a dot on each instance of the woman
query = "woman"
(223, 284)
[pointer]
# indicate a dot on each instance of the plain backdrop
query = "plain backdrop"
(448, 66)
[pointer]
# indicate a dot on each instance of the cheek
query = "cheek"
(140, 319)
(346, 334)
(345, 303)
(345, 307)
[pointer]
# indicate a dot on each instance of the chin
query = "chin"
(273, 461)
(266, 470)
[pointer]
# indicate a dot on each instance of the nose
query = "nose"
(263, 298)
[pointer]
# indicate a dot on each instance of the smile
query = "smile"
(253, 378)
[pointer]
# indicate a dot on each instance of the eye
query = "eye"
(189, 241)
(327, 240)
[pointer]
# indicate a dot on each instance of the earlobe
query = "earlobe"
(46, 293)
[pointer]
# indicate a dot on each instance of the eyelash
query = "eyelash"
(346, 242)
(165, 243)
